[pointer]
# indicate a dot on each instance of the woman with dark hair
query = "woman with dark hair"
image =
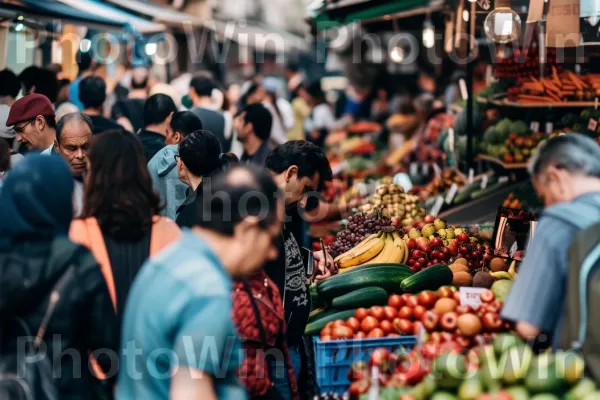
(163, 166)
(320, 121)
(121, 222)
(53, 286)
(200, 156)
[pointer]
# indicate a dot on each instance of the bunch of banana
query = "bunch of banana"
(362, 252)
(511, 274)
(395, 250)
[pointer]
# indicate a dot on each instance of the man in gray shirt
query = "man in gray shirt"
(213, 120)
(565, 170)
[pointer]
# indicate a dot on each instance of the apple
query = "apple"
(496, 306)
(439, 224)
(427, 298)
(405, 313)
(447, 337)
(449, 321)
(420, 224)
(429, 219)
(463, 237)
(464, 309)
(412, 244)
(492, 322)
(418, 312)
(430, 350)
(487, 296)
(422, 243)
(414, 233)
(436, 242)
(396, 221)
(444, 291)
(456, 296)
(428, 230)
(435, 337)
(430, 320)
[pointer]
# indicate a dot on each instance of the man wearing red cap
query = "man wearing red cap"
(33, 120)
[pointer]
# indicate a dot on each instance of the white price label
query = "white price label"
(470, 296)
(549, 127)
(484, 182)
(534, 126)
(592, 124)
(425, 169)
(451, 139)
(403, 180)
(362, 188)
(577, 68)
(413, 169)
(439, 202)
(462, 86)
(471, 175)
(451, 193)
(503, 179)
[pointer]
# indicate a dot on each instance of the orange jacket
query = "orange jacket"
(87, 233)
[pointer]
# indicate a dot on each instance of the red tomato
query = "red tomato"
(376, 333)
(377, 312)
(390, 313)
(405, 312)
(353, 323)
(396, 301)
(360, 335)
(338, 322)
(386, 327)
(342, 332)
(427, 299)
(326, 331)
(413, 301)
(361, 314)
(326, 338)
(368, 324)
(404, 326)
(418, 312)
(405, 297)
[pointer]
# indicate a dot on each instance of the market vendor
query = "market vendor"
(565, 170)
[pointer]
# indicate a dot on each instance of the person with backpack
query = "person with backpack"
(566, 175)
(52, 289)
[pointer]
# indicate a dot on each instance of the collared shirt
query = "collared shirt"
(260, 156)
(538, 294)
(49, 150)
(178, 314)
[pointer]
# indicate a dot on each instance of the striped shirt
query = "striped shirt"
(537, 296)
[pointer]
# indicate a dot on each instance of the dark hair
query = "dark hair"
(158, 108)
(51, 122)
(203, 85)
(120, 192)
(315, 90)
(43, 80)
(229, 200)
(201, 153)
(260, 118)
(292, 66)
(84, 60)
(185, 122)
(244, 98)
(573, 152)
(76, 116)
(92, 92)
(308, 157)
(10, 83)
(4, 156)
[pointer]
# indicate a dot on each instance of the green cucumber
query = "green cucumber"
(316, 302)
(374, 266)
(316, 326)
(365, 297)
(385, 277)
(431, 278)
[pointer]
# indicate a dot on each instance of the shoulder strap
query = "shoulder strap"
(586, 268)
(261, 328)
(580, 215)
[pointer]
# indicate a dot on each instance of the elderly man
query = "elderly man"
(566, 170)
(33, 120)
(74, 138)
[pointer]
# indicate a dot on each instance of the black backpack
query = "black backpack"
(581, 330)
(26, 375)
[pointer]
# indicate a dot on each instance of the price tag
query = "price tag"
(503, 179)
(462, 86)
(339, 167)
(470, 296)
(425, 169)
(471, 175)
(451, 193)
(534, 126)
(413, 169)
(437, 170)
(437, 206)
(362, 189)
(451, 139)
(484, 182)
(549, 127)
(592, 124)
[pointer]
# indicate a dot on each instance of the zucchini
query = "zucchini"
(385, 277)
(365, 297)
(345, 271)
(316, 326)
(316, 313)
(431, 278)
(315, 301)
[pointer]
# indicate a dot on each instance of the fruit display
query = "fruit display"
(359, 227)
(377, 248)
(556, 88)
(524, 63)
(510, 141)
(391, 200)
(440, 184)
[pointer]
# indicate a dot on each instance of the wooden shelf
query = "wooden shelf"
(484, 157)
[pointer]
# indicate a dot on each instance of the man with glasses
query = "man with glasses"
(33, 120)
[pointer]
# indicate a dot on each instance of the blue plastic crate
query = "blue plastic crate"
(334, 358)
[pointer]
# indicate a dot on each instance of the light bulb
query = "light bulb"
(428, 35)
(151, 48)
(466, 15)
(85, 45)
(502, 25)
(19, 27)
(397, 54)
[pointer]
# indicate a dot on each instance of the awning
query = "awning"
(46, 11)
(258, 36)
(163, 14)
(107, 11)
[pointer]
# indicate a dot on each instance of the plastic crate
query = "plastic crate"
(334, 358)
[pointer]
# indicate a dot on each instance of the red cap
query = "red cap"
(29, 107)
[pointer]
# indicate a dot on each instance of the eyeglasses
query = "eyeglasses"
(21, 129)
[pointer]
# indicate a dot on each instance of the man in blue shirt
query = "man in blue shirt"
(179, 341)
(565, 170)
